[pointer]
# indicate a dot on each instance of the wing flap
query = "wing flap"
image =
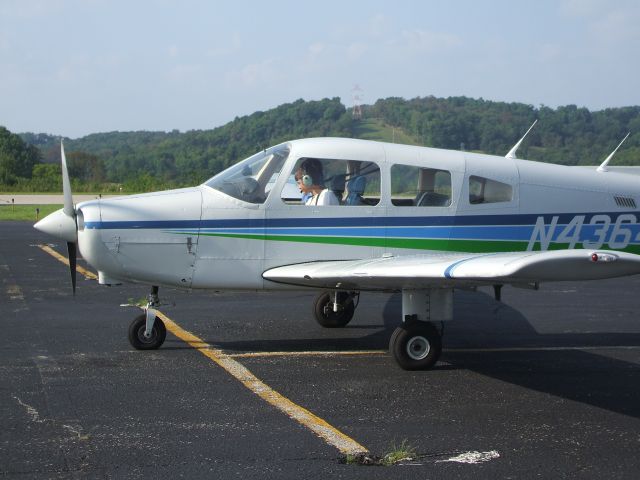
(433, 270)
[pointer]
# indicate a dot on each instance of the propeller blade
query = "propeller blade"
(62, 223)
(72, 251)
(66, 185)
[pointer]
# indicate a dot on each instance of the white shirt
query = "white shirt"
(326, 197)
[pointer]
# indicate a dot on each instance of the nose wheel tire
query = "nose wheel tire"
(324, 314)
(137, 337)
(416, 346)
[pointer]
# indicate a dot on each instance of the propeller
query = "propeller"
(63, 223)
(70, 211)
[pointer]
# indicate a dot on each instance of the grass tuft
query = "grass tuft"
(396, 454)
(399, 453)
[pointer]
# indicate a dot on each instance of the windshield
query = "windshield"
(251, 179)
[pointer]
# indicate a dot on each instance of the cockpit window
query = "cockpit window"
(252, 179)
(332, 182)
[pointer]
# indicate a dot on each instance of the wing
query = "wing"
(456, 270)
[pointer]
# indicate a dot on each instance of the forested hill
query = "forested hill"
(194, 156)
(567, 135)
(142, 160)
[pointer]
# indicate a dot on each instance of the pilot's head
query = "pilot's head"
(309, 174)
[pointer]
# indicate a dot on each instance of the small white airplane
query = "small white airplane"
(420, 221)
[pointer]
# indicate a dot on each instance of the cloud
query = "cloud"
(5, 43)
(173, 51)
(583, 8)
(606, 21)
(356, 50)
(618, 25)
(230, 47)
(378, 25)
(261, 73)
(65, 74)
(425, 41)
(29, 10)
(550, 53)
(316, 49)
(333, 53)
(185, 73)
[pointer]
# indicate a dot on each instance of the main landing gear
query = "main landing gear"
(417, 343)
(335, 309)
(147, 331)
(416, 346)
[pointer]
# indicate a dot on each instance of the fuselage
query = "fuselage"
(395, 200)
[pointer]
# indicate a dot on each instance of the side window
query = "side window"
(325, 182)
(420, 186)
(485, 190)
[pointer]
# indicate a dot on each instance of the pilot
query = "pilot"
(311, 183)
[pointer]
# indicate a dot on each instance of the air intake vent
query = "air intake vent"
(626, 202)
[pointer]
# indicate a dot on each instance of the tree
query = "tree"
(86, 167)
(46, 177)
(16, 157)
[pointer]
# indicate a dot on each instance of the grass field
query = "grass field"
(26, 212)
(374, 129)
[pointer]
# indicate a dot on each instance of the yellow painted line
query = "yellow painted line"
(542, 349)
(83, 271)
(317, 425)
(307, 354)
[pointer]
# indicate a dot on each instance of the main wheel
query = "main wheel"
(137, 337)
(416, 346)
(323, 310)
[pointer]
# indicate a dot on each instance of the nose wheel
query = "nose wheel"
(140, 339)
(416, 346)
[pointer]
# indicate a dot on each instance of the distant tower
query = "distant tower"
(356, 95)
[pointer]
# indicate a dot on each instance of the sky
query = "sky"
(71, 67)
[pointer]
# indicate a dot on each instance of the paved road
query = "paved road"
(6, 198)
(549, 381)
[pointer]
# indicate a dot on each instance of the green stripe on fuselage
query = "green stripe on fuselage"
(471, 246)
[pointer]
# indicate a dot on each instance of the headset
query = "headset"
(307, 181)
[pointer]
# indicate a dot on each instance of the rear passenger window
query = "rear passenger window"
(413, 186)
(485, 190)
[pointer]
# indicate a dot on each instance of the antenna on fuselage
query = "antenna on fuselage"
(603, 167)
(512, 152)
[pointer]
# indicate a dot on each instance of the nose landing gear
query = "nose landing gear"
(147, 331)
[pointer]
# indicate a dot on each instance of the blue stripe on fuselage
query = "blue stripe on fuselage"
(384, 222)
